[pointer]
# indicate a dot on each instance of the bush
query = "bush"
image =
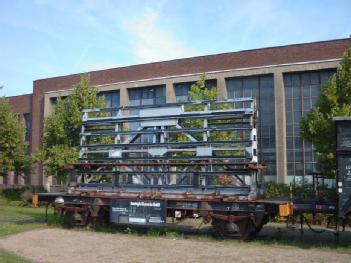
(304, 191)
(274, 189)
(16, 194)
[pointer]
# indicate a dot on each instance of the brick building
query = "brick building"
(286, 81)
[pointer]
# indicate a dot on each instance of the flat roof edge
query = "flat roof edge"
(195, 57)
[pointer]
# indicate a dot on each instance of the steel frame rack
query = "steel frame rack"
(169, 145)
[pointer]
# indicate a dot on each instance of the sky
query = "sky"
(47, 38)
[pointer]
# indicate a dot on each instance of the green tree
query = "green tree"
(62, 128)
(200, 92)
(12, 147)
(197, 93)
(318, 126)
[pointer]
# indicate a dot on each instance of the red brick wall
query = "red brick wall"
(21, 104)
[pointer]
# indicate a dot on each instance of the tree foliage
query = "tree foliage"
(62, 128)
(12, 148)
(318, 126)
(200, 92)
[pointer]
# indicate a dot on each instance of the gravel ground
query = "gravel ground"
(58, 245)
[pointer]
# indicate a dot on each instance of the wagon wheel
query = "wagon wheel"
(245, 229)
(68, 219)
(77, 219)
(258, 227)
(257, 230)
(224, 228)
(248, 229)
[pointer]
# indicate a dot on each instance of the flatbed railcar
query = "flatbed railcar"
(140, 165)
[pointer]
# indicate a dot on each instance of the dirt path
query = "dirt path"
(57, 245)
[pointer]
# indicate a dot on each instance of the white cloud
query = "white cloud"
(153, 43)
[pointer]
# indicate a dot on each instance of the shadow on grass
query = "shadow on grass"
(278, 235)
(16, 219)
(272, 235)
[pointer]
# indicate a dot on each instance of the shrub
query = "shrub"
(16, 194)
(304, 191)
(274, 189)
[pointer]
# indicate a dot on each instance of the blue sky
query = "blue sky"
(44, 38)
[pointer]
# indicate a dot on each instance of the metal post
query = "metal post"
(301, 227)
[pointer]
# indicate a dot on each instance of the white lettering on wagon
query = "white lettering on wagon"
(148, 204)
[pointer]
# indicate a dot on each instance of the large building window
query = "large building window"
(182, 89)
(152, 95)
(261, 88)
(53, 100)
(27, 125)
(302, 90)
(112, 99)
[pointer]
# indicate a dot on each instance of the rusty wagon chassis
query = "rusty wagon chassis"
(140, 165)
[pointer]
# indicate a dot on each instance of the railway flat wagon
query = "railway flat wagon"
(143, 165)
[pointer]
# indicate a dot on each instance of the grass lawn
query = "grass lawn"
(8, 257)
(15, 219)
